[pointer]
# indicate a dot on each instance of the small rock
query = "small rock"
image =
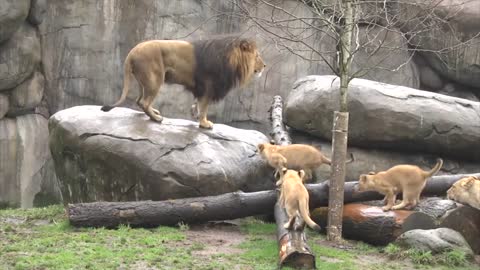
(437, 241)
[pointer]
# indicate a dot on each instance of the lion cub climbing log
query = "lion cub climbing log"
(408, 179)
(207, 68)
(298, 157)
(466, 191)
(294, 198)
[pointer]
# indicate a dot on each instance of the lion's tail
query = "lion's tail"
(435, 169)
(326, 161)
(305, 213)
(127, 74)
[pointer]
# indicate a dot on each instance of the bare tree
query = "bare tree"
(370, 29)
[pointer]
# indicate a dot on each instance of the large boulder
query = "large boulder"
(374, 159)
(388, 116)
(26, 168)
(436, 241)
(122, 155)
(12, 15)
(19, 57)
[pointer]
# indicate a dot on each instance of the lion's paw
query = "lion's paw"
(386, 208)
(206, 125)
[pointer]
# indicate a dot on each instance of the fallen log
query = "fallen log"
(293, 250)
(369, 223)
(222, 207)
(171, 212)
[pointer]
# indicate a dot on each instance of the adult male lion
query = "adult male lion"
(207, 68)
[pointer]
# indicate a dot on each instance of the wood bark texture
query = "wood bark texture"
(337, 179)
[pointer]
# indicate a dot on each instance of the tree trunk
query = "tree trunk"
(340, 128)
(293, 249)
(226, 206)
(335, 202)
(369, 223)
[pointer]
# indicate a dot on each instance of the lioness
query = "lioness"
(294, 198)
(466, 191)
(408, 179)
(298, 156)
(207, 68)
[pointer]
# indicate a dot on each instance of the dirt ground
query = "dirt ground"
(222, 238)
(217, 238)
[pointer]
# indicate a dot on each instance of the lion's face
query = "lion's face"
(465, 190)
(259, 64)
(250, 49)
(365, 183)
(266, 149)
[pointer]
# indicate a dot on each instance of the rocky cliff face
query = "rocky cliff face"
(85, 44)
(57, 54)
(27, 175)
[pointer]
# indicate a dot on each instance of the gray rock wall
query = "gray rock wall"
(26, 167)
(85, 44)
(27, 175)
(12, 15)
(459, 32)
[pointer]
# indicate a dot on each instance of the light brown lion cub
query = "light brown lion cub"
(466, 191)
(294, 198)
(298, 157)
(408, 179)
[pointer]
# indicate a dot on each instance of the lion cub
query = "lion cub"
(408, 179)
(294, 198)
(466, 191)
(297, 156)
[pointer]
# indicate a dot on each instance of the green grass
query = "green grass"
(452, 258)
(50, 213)
(42, 238)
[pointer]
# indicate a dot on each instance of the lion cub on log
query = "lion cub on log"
(408, 179)
(296, 156)
(466, 191)
(294, 198)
